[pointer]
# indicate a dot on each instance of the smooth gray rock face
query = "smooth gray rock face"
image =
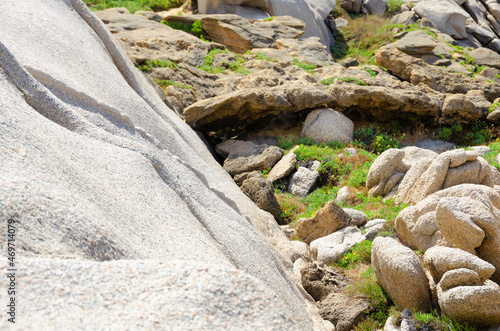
(326, 125)
(446, 15)
(95, 166)
(144, 295)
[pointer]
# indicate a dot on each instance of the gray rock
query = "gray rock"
(406, 17)
(481, 150)
(349, 62)
(376, 224)
(400, 273)
(326, 125)
(345, 194)
(147, 294)
(309, 50)
(245, 156)
(438, 146)
(358, 217)
(284, 167)
(485, 56)
(320, 280)
(331, 248)
(341, 22)
(467, 108)
(351, 6)
(344, 312)
(482, 34)
(448, 17)
(375, 7)
(261, 191)
(416, 43)
(302, 181)
(96, 167)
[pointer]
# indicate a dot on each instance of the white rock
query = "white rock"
(302, 181)
(332, 247)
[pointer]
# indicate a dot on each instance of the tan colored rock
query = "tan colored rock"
(343, 311)
(466, 108)
(284, 167)
(479, 305)
(400, 273)
(239, 34)
(309, 50)
(327, 220)
(439, 260)
(245, 106)
(447, 17)
(327, 125)
(417, 72)
(320, 280)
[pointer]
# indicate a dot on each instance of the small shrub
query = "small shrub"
(360, 253)
(307, 67)
(148, 66)
(439, 321)
(331, 80)
(270, 18)
(134, 5)
(394, 6)
(493, 106)
(196, 28)
(372, 73)
(290, 206)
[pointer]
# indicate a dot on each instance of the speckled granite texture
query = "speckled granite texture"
(95, 167)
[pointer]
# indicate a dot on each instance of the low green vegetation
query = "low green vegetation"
(478, 133)
(306, 66)
(331, 80)
(372, 73)
(360, 253)
(491, 156)
(393, 6)
(270, 18)
(148, 66)
(234, 66)
(493, 106)
(166, 83)
(196, 28)
(439, 321)
(134, 5)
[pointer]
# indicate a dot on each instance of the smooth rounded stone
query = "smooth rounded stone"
(327, 220)
(151, 15)
(346, 193)
(400, 273)
(481, 150)
(376, 224)
(245, 156)
(438, 146)
(375, 7)
(459, 277)
(438, 260)
(99, 168)
(261, 191)
(320, 280)
(358, 217)
(478, 305)
(145, 294)
(341, 22)
(494, 116)
(343, 311)
(331, 248)
(485, 56)
(447, 18)
(326, 125)
(302, 181)
(284, 167)
(416, 43)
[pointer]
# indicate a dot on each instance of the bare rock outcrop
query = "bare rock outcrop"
(400, 273)
(464, 216)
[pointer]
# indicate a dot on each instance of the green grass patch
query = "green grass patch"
(195, 29)
(235, 66)
(439, 321)
(359, 253)
(134, 5)
(269, 19)
(166, 83)
(306, 66)
(148, 66)
(491, 156)
(393, 6)
(331, 80)
(493, 106)
(372, 73)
